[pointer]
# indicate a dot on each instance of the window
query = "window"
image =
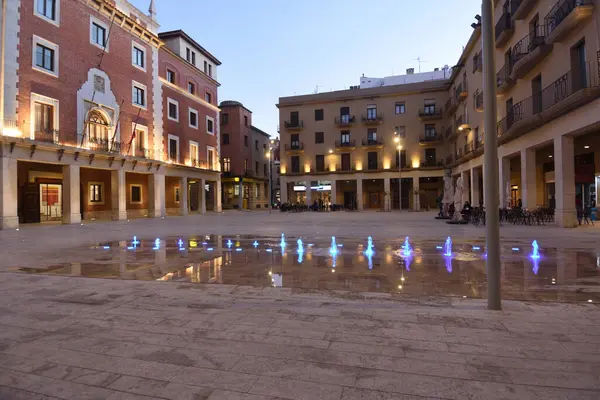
(138, 57)
(171, 76)
(193, 58)
(295, 141)
(96, 195)
(265, 169)
(319, 137)
(266, 187)
(319, 115)
(346, 162)
(295, 164)
(205, 67)
(224, 119)
(226, 138)
(139, 141)
(208, 97)
(226, 164)
(372, 160)
(401, 159)
(193, 118)
(256, 145)
(173, 148)
(430, 160)
(135, 194)
(400, 108)
(245, 165)
(210, 157)
(139, 95)
(429, 108)
(400, 131)
(371, 111)
(320, 163)
(44, 57)
(430, 131)
(345, 137)
(210, 125)
(190, 56)
(44, 118)
(48, 10)
(194, 153)
(209, 70)
(256, 167)
(245, 120)
(191, 88)
(98, 35)
(176, 194)
(372, 135)
(173, 110)
(345, 115)
(246, 140)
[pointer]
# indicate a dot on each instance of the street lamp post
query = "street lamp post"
(399, 148)
(490, 157)
(270, 157)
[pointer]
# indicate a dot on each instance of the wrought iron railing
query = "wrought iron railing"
(377, 118)
(293, 124)
(430, 112)
(519, 112)
(345, 168)
(372, 142)
(503, 24)
(430, 136)
(47, 135)
(294, 146)
(345, 120)
(529, 43)
(503, 75)
(477, 61)
(478, 100)
(560, 11)
(345, 143)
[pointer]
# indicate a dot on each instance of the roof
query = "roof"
(255, 129)
(340, 95)
(180, 33)
(233, 103)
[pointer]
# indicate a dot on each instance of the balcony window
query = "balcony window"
(320, 163)
(400, 108)
(319, 137)
(226, 164)
(400, 131)
(372, 160)
(98, 35)
(47, 9)
(371, 112)
(226, 138)
(295, 164)
(44, 57)
(295, 141)
(170, 76)
(372, 135)
(319, 115)
(44, 119)
(430, 131)
(345, 138)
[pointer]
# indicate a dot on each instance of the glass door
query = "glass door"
(50, 202)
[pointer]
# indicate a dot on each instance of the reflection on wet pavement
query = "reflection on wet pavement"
(401, 266)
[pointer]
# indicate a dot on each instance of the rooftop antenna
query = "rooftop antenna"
(418, 59)
(317, 88)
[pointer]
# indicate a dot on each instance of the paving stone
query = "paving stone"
(295, 390)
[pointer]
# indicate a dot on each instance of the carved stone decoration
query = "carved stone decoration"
(92, 156)
(99, 84)
(12, 146)
(61, 153)
(33, 147)
(149, 167)
(122, 163)
(76, 155)
(111, 160)
(134, 164)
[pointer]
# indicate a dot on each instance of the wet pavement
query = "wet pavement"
(423, 268)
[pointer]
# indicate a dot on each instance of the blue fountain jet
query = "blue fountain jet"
(135, 241)
(536, 250)
(156, 244)
(333, 249)
(406, 248)
(282, 243)
(255, 244)
(448, 247)
(369, 252)
(300, 246)
(449, 264)
(229, 243)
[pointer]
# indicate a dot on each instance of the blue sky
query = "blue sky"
(273, 48)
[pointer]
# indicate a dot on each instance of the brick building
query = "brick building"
(102, 116)
(245, 162)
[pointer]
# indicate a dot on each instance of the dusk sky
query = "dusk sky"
(273, 48)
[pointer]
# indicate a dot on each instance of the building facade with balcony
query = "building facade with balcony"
(548, 128)
(244, 161)
(342, 147)
(102, 116)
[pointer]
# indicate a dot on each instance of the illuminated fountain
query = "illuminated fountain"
(255, 244)
(229, 244)
(180, 244)
(135, 241)
(369, 252)
(300, 251)
(535, 257)
(448, 247)
(282, 243)
(156, 244)
(406, 248)
(448, 264)
(333, 250)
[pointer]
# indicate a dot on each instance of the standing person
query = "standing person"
(440, 204)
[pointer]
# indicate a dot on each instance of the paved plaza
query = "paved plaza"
(85, 338)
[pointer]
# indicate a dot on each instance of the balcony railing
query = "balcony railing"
(345, 144)
(432, 164)
(343, 168)
(520, 8)
(459, 153)
(503, 80)
(459, 121)
(295, 146)
(469, 147)
(373, 166)
(461, 91)
(478, 62)
(519, 112)
(504, 28)
(293, 124)
(372, 119)
(47, 135)
(345, 120)
(449, 132)
(99, 144)
(372, 142)
(430, 137)
(449, 160)
(478, 100)
(430, 113)
(562, 9)
(535, 39)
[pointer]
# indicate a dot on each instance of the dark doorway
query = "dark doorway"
(31, 203)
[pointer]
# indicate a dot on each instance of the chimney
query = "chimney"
(436, 69)
(410, 71)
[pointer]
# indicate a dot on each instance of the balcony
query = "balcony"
(345, 120)
(96, 144)
(372, 143)
(432, 164)
(565, 16)
(293, 125)
(528, 52)
(503, 80)
(504, 30)
(462, 123)
(47, 135)
(449, 132)
(469, 148)
(521, 8)
(372, 119)
(459, 153)
(478, 100)
(249, 173)
(294, 148)
(346, 145)
(430, 138)
(344, 168)
(429, 114)
(478, 62)
(451, 106)
(449, 160)
(461, 92)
